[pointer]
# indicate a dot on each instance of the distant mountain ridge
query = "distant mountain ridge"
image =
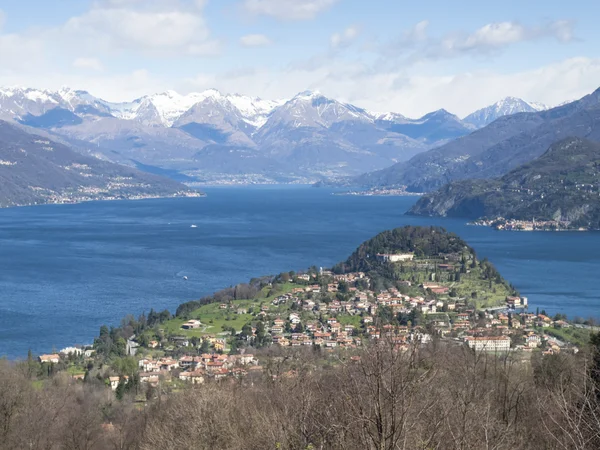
(493, 150)
(561, 185)
(37, 170)
(214, 136)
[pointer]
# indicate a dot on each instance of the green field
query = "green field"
(214, 318)
(577, 336)
(347, 319)
(486, 297)
(75, 370)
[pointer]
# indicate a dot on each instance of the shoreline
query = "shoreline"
(401, 192)
(502, 224)
(79, 202)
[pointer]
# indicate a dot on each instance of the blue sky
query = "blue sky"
(384, 55)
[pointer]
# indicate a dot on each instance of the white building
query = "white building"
(489, 343)
(533, 340)
(387, 257)
(71, 350)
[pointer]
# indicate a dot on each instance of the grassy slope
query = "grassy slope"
(214, 318)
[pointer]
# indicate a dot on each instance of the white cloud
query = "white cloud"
(416, 43)
(255, 40)
(88, 64)
(148, 30)
(463, 93)
(288, 9)
(345, 38)
(19, 52)
(418, 33)
(498, 35)
(157, 32)
(112, 87)
(414, 94)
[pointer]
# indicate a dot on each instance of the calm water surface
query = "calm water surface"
(67, 269)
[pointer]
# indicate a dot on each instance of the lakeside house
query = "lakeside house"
(52, 358)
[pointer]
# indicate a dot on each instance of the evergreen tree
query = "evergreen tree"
(120, 391)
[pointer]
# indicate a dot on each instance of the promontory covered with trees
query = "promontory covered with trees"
(558, 190)
(413, 342)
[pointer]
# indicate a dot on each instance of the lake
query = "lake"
(67, 269)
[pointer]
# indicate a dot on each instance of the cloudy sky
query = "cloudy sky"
(384, 55)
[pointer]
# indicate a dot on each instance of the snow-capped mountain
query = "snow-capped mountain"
(162, 109)
(505, 107)
(328, 136)
(17, 101)
(312, 109)
(170, 106)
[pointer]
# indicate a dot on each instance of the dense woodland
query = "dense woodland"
(433, 397)
(427, 243)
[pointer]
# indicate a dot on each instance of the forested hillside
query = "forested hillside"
(562, 185)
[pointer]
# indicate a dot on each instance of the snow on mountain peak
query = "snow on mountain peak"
(539, 106)
(505, 107)
(308, 95)
(165, 108)
(211, 93)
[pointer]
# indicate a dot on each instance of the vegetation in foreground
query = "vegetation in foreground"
(437, 396)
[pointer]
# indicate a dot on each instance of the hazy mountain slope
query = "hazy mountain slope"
(433, 127)
(123, 140)
(34, 169)
(562, 184)
(494, 149)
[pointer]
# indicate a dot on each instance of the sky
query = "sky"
(382, 55)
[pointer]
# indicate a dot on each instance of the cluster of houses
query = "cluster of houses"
(317, 317)
(196, 369)
(327, 325)
(501, 331)
(505, 331)
(54, 358)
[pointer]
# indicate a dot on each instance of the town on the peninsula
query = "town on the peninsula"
(410, 287)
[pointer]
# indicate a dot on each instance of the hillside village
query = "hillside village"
(333, 311)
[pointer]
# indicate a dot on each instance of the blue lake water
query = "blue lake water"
(67, 269)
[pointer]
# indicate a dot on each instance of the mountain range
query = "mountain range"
(210, 136)
(561, 185)
(493, 150)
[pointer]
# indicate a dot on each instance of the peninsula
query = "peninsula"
(413, 321)
(558, 191)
